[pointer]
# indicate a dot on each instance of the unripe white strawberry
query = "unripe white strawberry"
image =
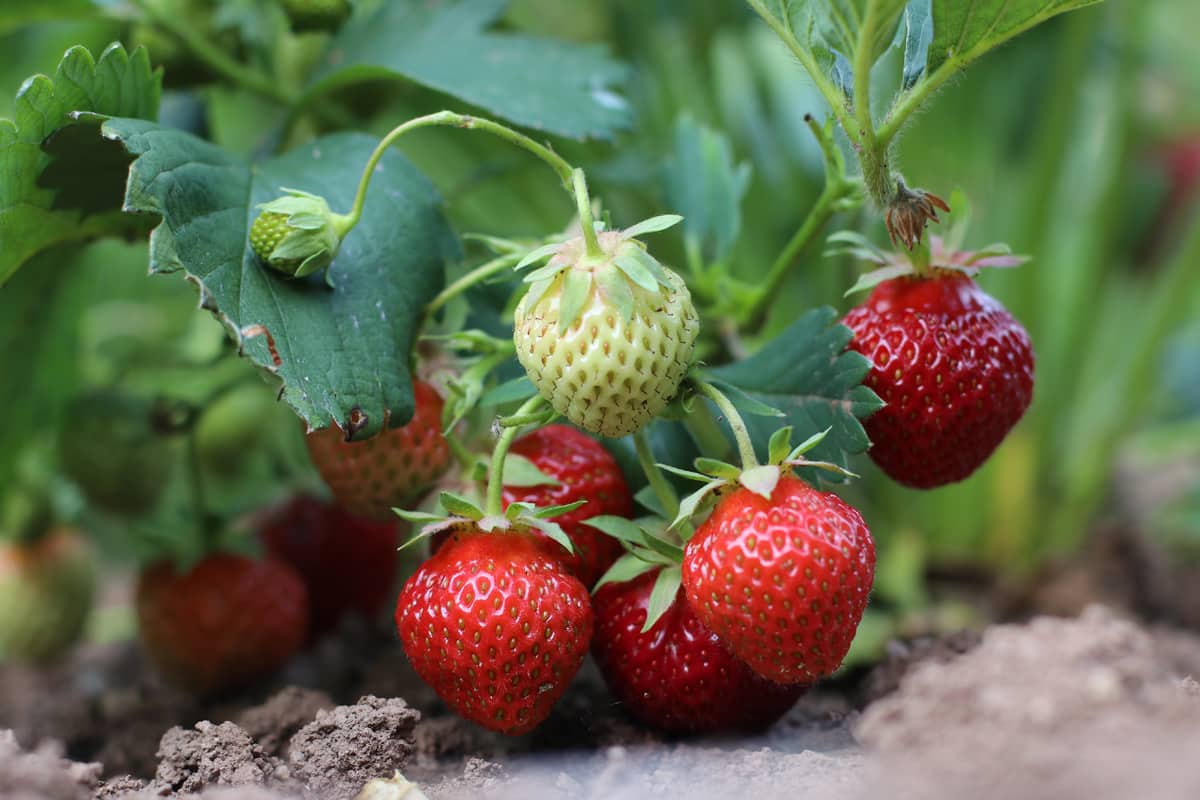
(607, 338)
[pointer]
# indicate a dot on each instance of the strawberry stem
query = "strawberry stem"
(741, 433)
(584, 204)
(658, 482)
(565, 172)
(475, 276)
(525, 415)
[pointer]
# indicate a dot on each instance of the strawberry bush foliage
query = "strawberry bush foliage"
(419, 355)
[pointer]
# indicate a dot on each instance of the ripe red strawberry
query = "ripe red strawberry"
(678, 677)
(371, 477)
(496, 626)
(784, 581)
(224, 623)
(348, 563)
(955, 369)
(584, 471)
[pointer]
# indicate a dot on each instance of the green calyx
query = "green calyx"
(298, 234)
(758, 478)
(648, 546)
(922, 259)
(622, 270)
(461, 513)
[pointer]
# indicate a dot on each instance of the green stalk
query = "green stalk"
(658, 482)
(495, 489)
(837, 189)
(741, 433)
(215, 58)
(475, 276)
(565, 171)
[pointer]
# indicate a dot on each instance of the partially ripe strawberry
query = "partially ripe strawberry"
(496, 626)
(390, 469)
(348, 563)
(678, 676)
(46, 589)
(608, 338)
(783, 582)
(954, 368)
(223, 624)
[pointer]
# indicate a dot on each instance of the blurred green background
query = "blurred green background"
(1078, 143)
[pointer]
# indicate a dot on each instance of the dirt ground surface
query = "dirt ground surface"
(1094, 707)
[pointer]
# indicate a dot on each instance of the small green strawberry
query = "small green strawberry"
(316, 15)
(46, 589)
(607, 337)
(109, 448)
(297, 234)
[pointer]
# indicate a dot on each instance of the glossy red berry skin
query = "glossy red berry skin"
(496, 626)
(585, 471)
(954, 368)
(223, 624)
(392, 468)
(783, 582)
(678, 677)
(348, 563)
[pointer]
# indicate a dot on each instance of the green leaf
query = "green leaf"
(832, 29)
(704, 182)
(963, 30)
(807, 373)
(340, 354)
(652, 225)
(625, 568)
(918, 35)
(663, 595)
(80, 200)
(558, 87)
(520, 471)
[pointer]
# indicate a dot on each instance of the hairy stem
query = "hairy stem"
(584, 204)
(448, 119)
(472, 278)
(658, 482)
(837, 188)
(741, 433)
(495, 489)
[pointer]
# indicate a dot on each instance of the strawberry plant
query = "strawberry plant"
(546, 310)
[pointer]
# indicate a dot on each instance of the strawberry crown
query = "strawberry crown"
(622, 266)
(941, 253)
(461, 512)
(647, 548)
(760, 479)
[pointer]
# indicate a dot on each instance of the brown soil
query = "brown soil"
(1091, 708)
